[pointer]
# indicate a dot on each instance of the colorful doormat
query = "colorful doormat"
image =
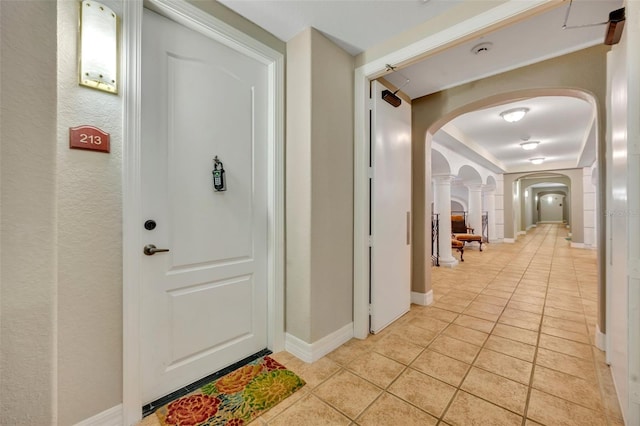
(234, 399)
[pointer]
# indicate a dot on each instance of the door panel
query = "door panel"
(390, 211)
(189, 172)
(204, 303)
(617, 168)
(210, 303)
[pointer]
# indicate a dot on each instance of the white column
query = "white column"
(490, 207)
(499, 196)
(435, 201)
(442, 197)
(474, 217)
(589, 206)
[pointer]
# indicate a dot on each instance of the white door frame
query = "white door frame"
(198, 20)
(363, 75)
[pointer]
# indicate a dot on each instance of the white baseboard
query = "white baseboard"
(311, 352)
(111, 417)
(422, 299)
(522, 232)
(577, 245)
(508, 240)
(601, 339)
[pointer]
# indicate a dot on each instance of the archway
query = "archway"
(431, 112)
(524, 207)
(510, 221)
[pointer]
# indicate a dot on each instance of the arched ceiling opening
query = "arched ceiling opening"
(491, 182)
(439, 164)
(562, 123)
(469, 175)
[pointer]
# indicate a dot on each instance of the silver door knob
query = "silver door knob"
(150, 250)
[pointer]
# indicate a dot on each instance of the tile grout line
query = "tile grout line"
(459, 387)
(458, 315)
(535, 354)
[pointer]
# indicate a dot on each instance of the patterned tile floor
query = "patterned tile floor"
(508, 341)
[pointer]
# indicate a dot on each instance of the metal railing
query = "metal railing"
(435, 239)
(485, 227)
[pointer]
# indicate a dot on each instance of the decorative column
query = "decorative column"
(474, 217)
(589, 206)
(442, 197)
(499, 210)
(490, 207)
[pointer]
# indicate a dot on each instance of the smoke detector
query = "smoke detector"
(481, 48)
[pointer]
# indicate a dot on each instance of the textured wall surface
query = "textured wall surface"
(89, 217)
(28, 213)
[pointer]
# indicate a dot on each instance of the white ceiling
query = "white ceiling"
(563, 125)
(533, 40)
(560, 123)
(355, 25)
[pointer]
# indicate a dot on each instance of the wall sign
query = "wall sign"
(88, 137)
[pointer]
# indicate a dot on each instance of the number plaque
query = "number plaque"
(88, 137)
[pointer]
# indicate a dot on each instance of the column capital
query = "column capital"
(443, 178)
(474, 186)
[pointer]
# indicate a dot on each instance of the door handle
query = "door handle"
(150, 250)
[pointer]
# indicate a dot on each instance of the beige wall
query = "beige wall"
(298, 187)
(584, 70)
(61, 232)
(28, 247)
(319, 186)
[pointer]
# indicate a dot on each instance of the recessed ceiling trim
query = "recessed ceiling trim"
(456, 134)
(544, 167)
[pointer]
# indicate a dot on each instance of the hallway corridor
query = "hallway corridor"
(508, 341)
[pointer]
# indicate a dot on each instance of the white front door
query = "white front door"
(203, 302)
(390, 211)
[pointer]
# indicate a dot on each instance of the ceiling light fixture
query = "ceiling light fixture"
(537, 161)
(513, 115)
(528, 146)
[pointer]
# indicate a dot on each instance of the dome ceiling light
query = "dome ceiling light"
(529, 145)
(537, 161)
(513, 115)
